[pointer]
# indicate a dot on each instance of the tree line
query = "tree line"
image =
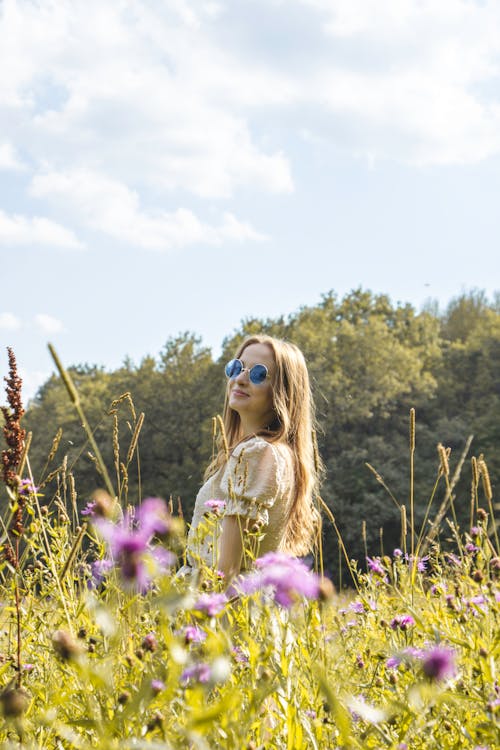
(370, 361)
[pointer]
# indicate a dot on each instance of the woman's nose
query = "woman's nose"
(242, 375)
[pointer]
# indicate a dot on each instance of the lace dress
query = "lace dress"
(256, 483)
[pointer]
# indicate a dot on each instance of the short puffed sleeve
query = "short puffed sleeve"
(253, 479)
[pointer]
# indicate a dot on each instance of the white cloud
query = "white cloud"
(47, 324)
(108, 206)
(9, 159)
(32, 380)
(10, 322)
(37, 230)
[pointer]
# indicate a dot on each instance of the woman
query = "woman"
(265, 471)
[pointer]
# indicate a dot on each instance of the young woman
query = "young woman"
(265, 471)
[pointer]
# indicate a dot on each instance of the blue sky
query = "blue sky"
(180, 165)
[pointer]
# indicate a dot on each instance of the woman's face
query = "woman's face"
(254, 403)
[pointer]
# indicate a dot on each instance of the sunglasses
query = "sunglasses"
(257, 373)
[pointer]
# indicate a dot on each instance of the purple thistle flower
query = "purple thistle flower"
(403, 622)
(471, 548)
(200, 672)
(475, 532)
(287, 575)
(157, 686)
(239, 655)
(407, 655)
(215, 504)
(153, 517)
(212, 604)
(357, 607)
(375, 566)
(99, 570)
(192, 634)
(89, 509)
(26, 488)
(439, 663)
(397, 553)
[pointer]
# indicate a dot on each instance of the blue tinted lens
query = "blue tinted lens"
(258, 374)
(233, 368)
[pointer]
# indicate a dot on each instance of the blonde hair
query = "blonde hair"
(294, 425)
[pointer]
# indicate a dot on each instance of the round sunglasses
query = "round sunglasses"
(257, 373)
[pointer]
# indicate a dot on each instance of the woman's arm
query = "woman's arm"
(231, 546)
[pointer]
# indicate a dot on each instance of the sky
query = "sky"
(181, 165)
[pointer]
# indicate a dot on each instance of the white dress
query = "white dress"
(255, 483)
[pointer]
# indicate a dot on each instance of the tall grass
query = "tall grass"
(405, 658)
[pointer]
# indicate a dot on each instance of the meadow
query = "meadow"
(103, 645)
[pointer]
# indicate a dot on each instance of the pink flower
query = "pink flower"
(212, 604)
(439, 663)
(215, 505)
(403, 622)
(200, 672)
(286, 575)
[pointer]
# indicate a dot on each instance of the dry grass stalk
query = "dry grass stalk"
(135, 438)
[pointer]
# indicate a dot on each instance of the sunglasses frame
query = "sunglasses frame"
(246, 369)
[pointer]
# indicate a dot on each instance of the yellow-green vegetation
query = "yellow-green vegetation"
(103, 645)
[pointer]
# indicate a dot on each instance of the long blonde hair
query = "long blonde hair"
(294, 425)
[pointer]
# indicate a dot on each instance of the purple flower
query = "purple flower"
(407, 655)
(397, 553)
(100, 569)
(357, 607)
(310, 713)
(288, 577)
(375, 566)
(215, 505)
(89, 509)
(239, 655)
(471, 548)
(200, 672)
(403, 622)
(192, 634)
(26, 488)
(439, 663)
(475, 532)
(153, 517)
(212, 604)
(157, 686)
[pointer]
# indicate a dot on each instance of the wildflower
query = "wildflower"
(310, 713)
(403, 622)
(475, 532)
(157, 686)
(357, 607)
(27, 488)
(200, 672)
(397, 553)
(99, 570)
(192, 634)
(375, 566)
(407, 655)
(212, 604)
(216, 505)
(149, 642)
(89, 510)
(153, 517)
(471, 548)
(286, 575)
(239, 655)
(13, 433)
(439, 663)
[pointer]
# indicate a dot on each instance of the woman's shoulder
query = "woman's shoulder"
(257, 447)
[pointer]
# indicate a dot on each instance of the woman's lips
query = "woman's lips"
(239, 393)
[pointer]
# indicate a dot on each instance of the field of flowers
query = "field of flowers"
(104, 645)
